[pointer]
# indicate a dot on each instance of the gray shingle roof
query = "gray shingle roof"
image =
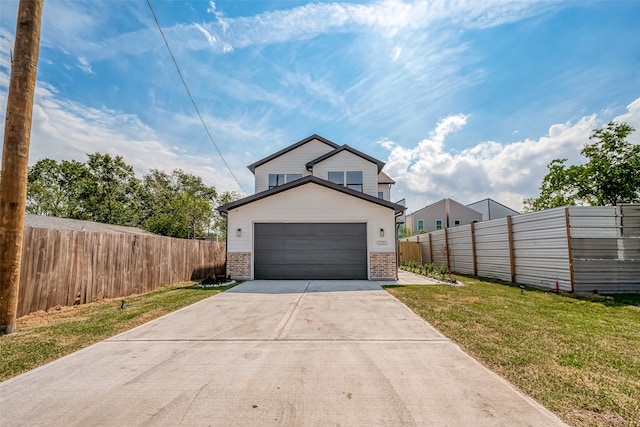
(54, 223)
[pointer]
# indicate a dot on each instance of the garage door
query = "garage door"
(310, 251)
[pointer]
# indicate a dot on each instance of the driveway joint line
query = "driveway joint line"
(293, 311)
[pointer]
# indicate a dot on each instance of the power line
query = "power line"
(184, 83)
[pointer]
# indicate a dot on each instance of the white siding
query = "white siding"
(292, 162)
(346, 161)
(386, 193)
(312, 203)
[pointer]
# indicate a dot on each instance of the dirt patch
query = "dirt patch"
(472, 299)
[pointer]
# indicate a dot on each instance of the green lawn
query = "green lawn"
(578, 357)
(46, 336)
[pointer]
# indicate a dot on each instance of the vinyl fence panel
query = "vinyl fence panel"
(492, 249)
(461, 249)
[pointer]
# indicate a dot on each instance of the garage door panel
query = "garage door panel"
(310, 251)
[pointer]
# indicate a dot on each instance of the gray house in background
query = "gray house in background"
(449, 213)
(491, 209)
(442, 214)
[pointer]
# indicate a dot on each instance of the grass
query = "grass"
(46, 336)
(580, 357)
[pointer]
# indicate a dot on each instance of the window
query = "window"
(438, 224)
(420, 225)
(456, 223)
(354, 180)
(336, 177)
(380, 195)
(276, 179)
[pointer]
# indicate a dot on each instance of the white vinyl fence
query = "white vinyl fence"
(581, 249)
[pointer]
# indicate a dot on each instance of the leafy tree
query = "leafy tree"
(220, 221)
(177, 205)
(112, 192)
(610, 176)
(55, 188)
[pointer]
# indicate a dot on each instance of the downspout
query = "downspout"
(446, 211)
(226, 247)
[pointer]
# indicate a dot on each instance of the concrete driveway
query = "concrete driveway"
(293, 353)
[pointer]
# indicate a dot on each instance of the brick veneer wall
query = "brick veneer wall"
(239, 265)
(382, 265)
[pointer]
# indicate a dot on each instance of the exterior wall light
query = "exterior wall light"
(239, 232)
(382, 232)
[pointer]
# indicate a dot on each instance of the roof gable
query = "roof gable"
(307, 180)
(350, 150)
(383, 178)
(252, 167)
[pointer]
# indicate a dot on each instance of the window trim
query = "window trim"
(438, 224)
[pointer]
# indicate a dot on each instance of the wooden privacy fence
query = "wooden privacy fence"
(579, 249)
(62, 267)
(409, 251)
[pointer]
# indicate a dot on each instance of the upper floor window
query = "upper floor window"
(420, 225)
(380, 195)
(336, 177)
(456, 223)
(354, 180)
(350, 179)
(438, 224)
(276, 179)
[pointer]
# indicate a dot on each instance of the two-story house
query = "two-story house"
(320, 211)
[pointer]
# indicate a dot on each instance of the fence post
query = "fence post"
(446, 248)
(512, 260)
(473, 249)
(430, 249)
(569, 252)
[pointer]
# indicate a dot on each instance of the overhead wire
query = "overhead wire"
(195, 106)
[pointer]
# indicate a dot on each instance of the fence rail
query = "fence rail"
(579, 249)
(62, 267)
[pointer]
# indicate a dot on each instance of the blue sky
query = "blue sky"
(467, 99)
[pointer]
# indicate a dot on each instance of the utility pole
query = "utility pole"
(15, 157)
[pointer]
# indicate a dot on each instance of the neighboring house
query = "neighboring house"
(443, 214)
(490, 209)
(449, 213)
(321, 211)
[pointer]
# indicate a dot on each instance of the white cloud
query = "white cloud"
(65, 130)
(84, 65)
(390, 17)
(507, 173)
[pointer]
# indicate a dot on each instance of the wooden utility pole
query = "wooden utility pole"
(15, 157)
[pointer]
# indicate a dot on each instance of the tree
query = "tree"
(177, 205)
(220, 221)
(610, 176)
(55, 188)
(111, 194)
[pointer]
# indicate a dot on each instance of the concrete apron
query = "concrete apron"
(273, 353)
